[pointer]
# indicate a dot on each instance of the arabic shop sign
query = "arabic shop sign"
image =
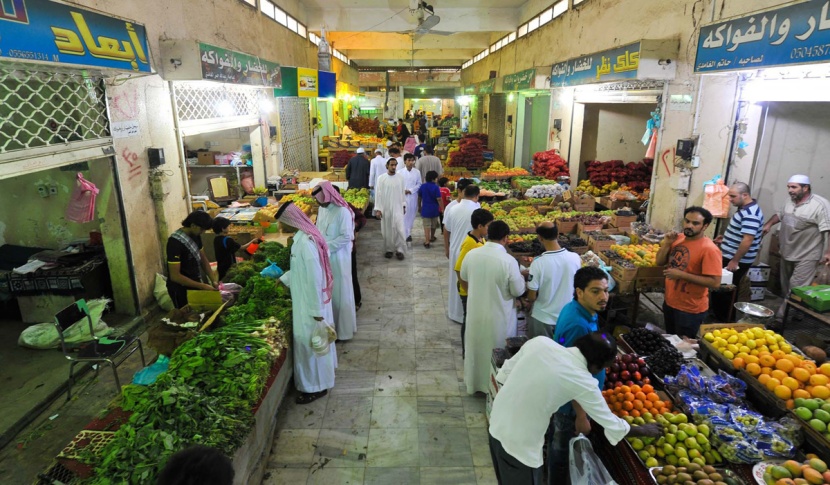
(798, 34)
(487, 87)
(518, 81)
(40, 30)
(612, 65)
(307, 82)
(227, 66)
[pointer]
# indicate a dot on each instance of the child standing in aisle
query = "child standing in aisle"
(225, 247)
(446, 196)
(430, 205)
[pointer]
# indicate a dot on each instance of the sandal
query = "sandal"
(399, 256)
(308, 398)
(433, 239)
(426, 245)
(388, 255)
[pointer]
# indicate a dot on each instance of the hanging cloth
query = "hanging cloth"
(81, 208)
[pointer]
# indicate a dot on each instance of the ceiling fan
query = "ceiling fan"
(420, 9)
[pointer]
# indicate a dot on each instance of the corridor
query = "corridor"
(399, 412)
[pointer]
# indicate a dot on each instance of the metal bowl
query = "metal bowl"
(754, 310)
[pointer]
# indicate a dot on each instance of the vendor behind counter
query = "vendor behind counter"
(187, 265)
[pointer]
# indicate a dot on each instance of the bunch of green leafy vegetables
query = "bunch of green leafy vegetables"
(274, 252)
(205, 397)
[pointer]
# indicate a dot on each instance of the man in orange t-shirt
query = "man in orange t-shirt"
(694, 266)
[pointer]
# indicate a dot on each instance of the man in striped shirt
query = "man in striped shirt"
(740, 243)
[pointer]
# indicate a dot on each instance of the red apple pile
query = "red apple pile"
(628, 370)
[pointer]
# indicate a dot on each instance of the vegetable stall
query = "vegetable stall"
(222, 387)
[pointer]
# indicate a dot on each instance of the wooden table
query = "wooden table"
(801, 320)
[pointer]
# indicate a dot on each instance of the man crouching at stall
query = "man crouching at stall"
(537, 381)
(310, 281)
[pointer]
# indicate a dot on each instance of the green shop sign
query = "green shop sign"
(519, 81)
(487, 87)
(228, 66)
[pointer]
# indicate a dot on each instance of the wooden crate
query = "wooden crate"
(598, 246)
(651, 272)
(644, 284)
(626, 287)
(818, 442)
(623, 274)
(622, 221)
(715, 359)
(764, 400)
(583, 229)
(566, 227)
(610, 203)
(584, 205)
(579, 249)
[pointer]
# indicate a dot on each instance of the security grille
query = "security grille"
(202, 100)
(47, 108)
(295, 131)
(495, 122)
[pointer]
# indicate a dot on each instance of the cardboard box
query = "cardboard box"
(493, 385)
(650, 283)
(583, 230)
(622, 221)
(599, 246)
(626, 287)
(651, 272)
(757, 293)
(613, 204)
(584, 205)
(207, 158)
(566, 227)
(759, 274)
(623, 274)
(774, 245)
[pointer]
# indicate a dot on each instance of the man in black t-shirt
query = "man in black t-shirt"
(187, 264)
(225, 248)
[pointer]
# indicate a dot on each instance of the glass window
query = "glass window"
(280, 16)
(511, 37)
(267, 8)
(250, 2)
(546, 16)
(301, 29)
(313, 38)
(577, 2)
(533, 24)
(292, 24)
(560, 8)
(522, 30)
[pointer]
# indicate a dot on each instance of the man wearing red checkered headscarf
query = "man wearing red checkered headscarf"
(310, 281)
(336, 223)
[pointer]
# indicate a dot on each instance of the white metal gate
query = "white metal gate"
(42, 109)
(295, 134)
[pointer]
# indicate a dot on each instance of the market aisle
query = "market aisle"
(399, 413)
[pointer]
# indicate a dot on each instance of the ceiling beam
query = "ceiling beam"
(388, 20)
(346, 41)
(406, 63)
(418, 54)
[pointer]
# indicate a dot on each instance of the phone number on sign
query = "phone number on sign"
(35, 56)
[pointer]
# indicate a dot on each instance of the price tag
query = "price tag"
(567, 195)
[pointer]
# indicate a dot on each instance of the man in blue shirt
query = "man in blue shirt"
(578, 318)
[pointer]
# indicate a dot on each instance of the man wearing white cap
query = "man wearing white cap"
(803, 238)
(357, 170)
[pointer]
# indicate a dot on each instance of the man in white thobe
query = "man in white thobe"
(493, 283)
(377, 167)
(310, 281)
(457, 223)
(336, 223)
(390, 207)
(412, 182)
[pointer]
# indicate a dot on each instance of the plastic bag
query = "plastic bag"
(149, 374)
(822, 275)
(160, 292)
(45, 335)
(322, 338)
(716, 200)
(81, 206)
(586, 467)
(272, 271)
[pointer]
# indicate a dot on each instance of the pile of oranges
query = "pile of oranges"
(789, 376)
(642, 255)
(635, 400)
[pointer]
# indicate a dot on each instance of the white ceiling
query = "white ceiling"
(376, 33)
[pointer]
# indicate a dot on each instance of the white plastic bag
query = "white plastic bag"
(160, 292)
(45, 335)
(322, 337)
(586, 467)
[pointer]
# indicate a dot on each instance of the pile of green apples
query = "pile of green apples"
(682, 442)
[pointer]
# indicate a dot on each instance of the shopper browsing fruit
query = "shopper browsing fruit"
(550, 282)
(803, 238)
(480, 220)
(456, 226)
(537, 381)
(577, 319)
(357, 170)
(693, 266)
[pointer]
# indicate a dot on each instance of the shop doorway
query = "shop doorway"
(534, 130)
(496, 122)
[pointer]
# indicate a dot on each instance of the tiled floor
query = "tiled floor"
(399, 413)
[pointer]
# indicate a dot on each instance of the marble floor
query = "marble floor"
(399, 412)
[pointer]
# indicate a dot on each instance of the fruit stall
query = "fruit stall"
(222, 385)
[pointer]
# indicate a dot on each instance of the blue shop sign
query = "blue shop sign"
(798, 34)
(611, 65)
(44, 31)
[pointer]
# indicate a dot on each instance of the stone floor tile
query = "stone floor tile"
(301, 416)
(396, 360)
(390, 476)
(336, 476)
(486, 475)
(348, 412)
(448, 476)
(285, 476)
(441, 411)
(396, 384)
(394, 412)
(437, 383)
(393, 447)
(293, 448)
(342, 448)
(430, 359)
(480, 446)
(444, 446)
(354, 383)
(357, 356)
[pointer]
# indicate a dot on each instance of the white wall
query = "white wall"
(613, 132)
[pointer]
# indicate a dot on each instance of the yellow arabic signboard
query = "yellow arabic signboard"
(307, 82)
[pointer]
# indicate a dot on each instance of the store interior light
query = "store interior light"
(224, 108)
(436, 100)
(266, 106)
(423, 90)
(510, 97)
